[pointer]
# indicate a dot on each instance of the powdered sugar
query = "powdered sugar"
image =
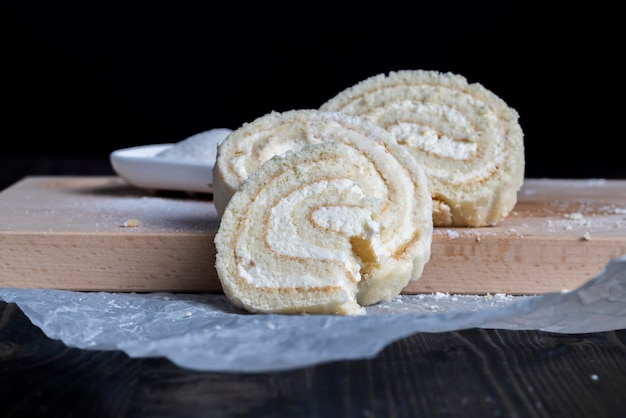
(199, 147)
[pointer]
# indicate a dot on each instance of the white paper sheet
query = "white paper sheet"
(205, 332)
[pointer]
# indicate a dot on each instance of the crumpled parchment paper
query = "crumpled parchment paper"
(205, 332)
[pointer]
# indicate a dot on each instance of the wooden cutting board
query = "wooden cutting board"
(76, 233)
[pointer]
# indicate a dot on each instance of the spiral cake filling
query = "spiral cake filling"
(327, 228)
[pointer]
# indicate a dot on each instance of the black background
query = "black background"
(83, 78)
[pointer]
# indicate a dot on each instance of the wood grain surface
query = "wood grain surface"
(470, 373)
(77, 233)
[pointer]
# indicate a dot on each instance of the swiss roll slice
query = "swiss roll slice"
(341, 222)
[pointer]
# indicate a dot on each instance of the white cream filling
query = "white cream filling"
(285, 239)
(428, 139)
(349, 221)
(283, 235)
(260, 277)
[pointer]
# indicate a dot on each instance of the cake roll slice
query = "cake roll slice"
(326, 229)
(467, 139)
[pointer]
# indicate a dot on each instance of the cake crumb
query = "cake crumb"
(573, 216)
(132, 223)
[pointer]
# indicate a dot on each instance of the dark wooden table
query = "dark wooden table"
(470, 373)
